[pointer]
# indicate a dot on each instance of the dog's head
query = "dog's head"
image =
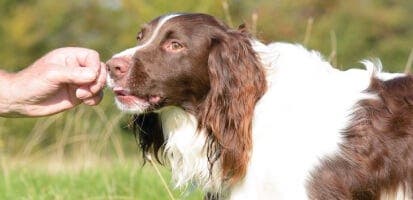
(199, 64)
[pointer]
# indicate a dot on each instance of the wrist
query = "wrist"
(7, 105)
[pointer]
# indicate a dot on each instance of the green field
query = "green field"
(85, 153)
(126, 180)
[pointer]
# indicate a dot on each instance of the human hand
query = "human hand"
(60, 80)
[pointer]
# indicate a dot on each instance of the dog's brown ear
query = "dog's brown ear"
(237, 83)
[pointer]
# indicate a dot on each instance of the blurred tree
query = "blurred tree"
(363, 29)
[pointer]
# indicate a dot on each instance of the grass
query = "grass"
(116, 181)
(85, 153)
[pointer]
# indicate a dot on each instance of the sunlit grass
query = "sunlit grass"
(126, 180)
(85, 153)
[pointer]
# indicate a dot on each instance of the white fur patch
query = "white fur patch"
(126, 53)
(133, 108)
(375, 68)
(131, 51)
(109, 81)
(186, 150)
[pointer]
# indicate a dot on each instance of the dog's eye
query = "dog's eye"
(173, 46)
(176, 46)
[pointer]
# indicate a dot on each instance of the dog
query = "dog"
(245, 120)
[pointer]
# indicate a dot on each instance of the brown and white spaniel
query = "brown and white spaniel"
(245, 120)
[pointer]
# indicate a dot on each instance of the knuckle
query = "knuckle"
(94, 53)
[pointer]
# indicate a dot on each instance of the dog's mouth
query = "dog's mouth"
(127, 98)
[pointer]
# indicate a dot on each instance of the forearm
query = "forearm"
(7, 107)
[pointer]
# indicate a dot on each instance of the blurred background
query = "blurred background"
(89, 152)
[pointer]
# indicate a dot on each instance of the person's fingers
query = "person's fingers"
(100, 81)
(71, 61)
(73, 65)
(95, 100)
(83, 92)
(87, 91)
(86, 58)
(71, 74)
(90, 59)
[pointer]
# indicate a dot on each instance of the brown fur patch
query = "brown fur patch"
(377, 152)
(237, 83)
